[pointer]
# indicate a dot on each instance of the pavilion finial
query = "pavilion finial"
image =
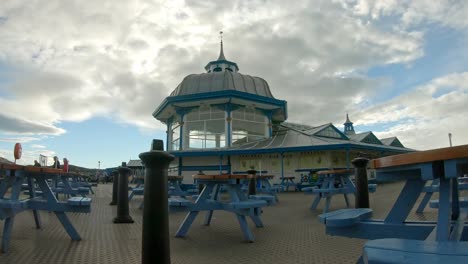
(347, 118)
(221, 52)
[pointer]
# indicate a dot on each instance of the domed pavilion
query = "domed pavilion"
(224, 121)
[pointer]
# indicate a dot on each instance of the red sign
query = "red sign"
(18, 151)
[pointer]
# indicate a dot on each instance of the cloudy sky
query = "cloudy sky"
(80, 79)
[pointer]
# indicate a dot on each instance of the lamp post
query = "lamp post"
(450, 138)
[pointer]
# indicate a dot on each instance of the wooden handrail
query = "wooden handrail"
(421, 157)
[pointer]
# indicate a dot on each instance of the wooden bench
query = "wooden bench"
(396, 251)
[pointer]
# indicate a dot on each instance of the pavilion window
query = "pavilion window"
(205, 128)
(175, 136)
(248, 125)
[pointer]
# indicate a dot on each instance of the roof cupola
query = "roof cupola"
(221, 64)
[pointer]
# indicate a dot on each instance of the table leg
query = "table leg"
(346, 199)
(68, 226)
(455, 200)
(315, 202)
(405, 201)
(32, 195)
(327, 203)
(425, 200)
(443, 219)
(256, 217)
(7, 228)
(245, 228)
(215, 196)
(185, 226)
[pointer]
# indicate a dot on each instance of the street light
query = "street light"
(450, 138)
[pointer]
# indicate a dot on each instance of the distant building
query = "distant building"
(225, 121)
(5, 161)
(137, 168)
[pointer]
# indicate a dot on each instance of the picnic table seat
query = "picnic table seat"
(138, 191)
(246, 204)
(463, 202)
(393, 251)
(270, 199)
(345, 217)
(178, 202)
(79, 201)
(38, 193)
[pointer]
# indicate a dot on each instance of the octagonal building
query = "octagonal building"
(223, 121)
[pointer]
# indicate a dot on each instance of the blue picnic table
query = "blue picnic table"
(433, 187)
(330, 183)
(237, 203)
(398, 240)
(11, 203)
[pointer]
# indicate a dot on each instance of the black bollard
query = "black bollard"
(115, 187)
(252, 182)
(155, 242)
(362, 189)
(123, 216)
(200, 186)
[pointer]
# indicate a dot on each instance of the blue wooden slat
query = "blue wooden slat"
(414, 251)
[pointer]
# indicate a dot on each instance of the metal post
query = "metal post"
(115, 187)
(252, 182)
(155, 242)
(362, 189)
(200, 186)
(123, 216)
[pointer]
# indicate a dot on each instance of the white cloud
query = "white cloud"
(71, 61)
(425, 115)
(451, 13)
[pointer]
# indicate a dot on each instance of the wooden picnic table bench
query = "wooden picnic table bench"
(415, 168)
(12, 204)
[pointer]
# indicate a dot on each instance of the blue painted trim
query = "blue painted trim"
(245, 172)
(348, 165)
(282, 164)
(220, 94)
(205, 168)
(181, 131)
(228, 127)
(310, 170)
(220, 164)
(217, 152)
(168, 131)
